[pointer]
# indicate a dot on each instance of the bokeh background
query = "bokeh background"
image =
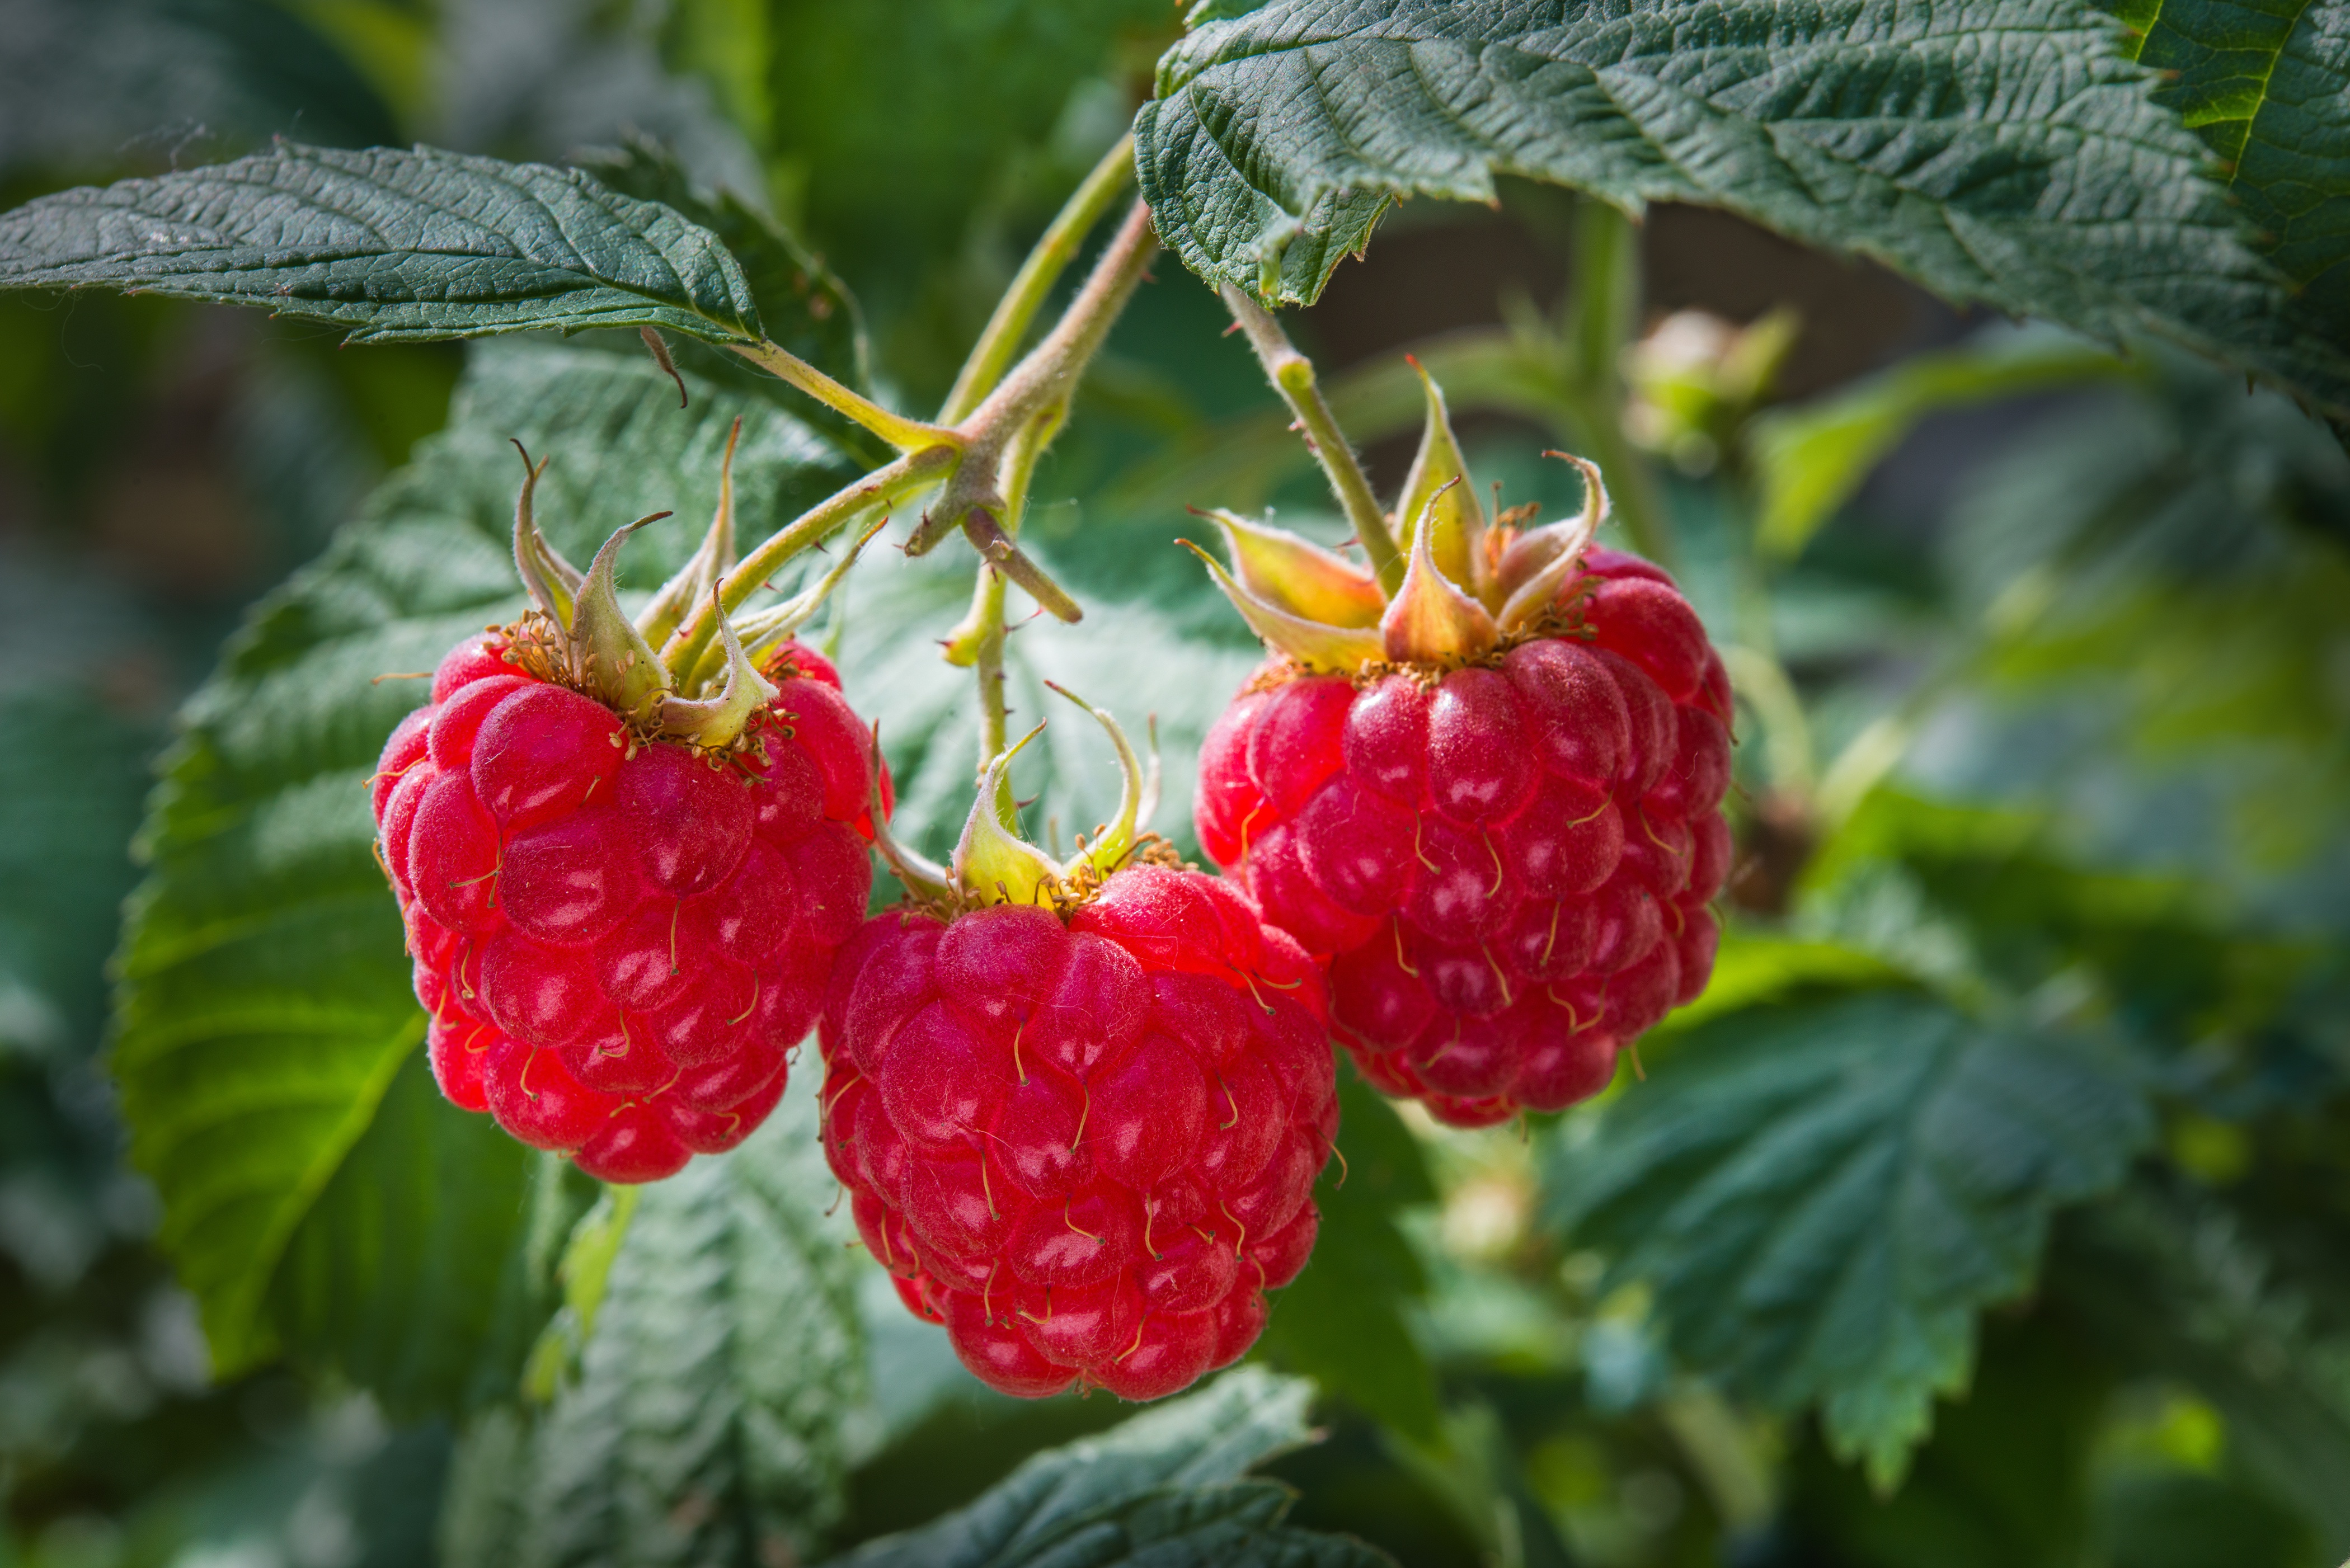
(2046, 677)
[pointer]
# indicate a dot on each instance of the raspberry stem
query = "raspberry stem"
(1053, 253)
(1292, 375)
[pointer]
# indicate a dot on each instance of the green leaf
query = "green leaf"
(1341, 1322)
(1157, 1488)
(709, 1421)
(1811, 460)
(802, 306)
(265, 1008)
(423, 1270)
(396, 245)
(1996, 150)
(2005, 1482)
(2267, 86)
(1822, 1196)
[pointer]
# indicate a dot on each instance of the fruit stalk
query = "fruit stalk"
(1605, 317)
(1053, 253)
(1292, 375)
(1046, 377)
(893, 481)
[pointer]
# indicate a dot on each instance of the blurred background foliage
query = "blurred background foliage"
(1993, 1209)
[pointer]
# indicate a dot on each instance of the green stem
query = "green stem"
(1037, 275)
(1292, 375)
(987, 595)
(1606, 313)
(915, 472)
(905, 434)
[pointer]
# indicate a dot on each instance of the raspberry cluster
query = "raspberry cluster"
(1086, 1147)
(619, 939)
(1506, 865)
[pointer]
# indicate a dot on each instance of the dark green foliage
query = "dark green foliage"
(1163, 1489)
(2006, 1152)
(2262, 83)
(1822, 1196)
(397, 244)
(708, 1417)
(422, 1270)
(267, 1008)
(2038, 177)
(2004, 1483)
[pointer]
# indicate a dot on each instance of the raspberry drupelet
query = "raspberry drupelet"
(1490, 807)
(623, 904)
(1080, 1132)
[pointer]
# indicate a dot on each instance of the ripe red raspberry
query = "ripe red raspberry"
(1484, 789)
(1086, 1147)
(1507, 865)
(620, 940)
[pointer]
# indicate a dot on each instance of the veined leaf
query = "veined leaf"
(396, 245)
(1997, 151)
(1822, 1196)
(265, 1010)
(803, 306)
(424, 1270)
(1158, 1488)
(709, 1422)
(2267, 87)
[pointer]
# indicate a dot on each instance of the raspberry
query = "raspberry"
(1087, 1146)
(620, 940)
(624, 874)
(1494, 817)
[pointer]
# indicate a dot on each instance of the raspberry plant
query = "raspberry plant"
(1962, 1168)
(1480, 778)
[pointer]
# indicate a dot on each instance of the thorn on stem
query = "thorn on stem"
(662, 356)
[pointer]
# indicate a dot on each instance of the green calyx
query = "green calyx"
(585, 637)
(1468, 584)
(994, 863)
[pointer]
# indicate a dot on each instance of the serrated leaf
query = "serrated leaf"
(1155, 1489)
(710, 1420)
(1824, 1196)
(1341, 1322)
(264, 1007)
(415, 1275)
(804, 308)
(2267, 87)
(1996, 150)
(803, 305)
(419, 245)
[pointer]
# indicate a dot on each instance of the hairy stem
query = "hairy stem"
(905, 434)
(1037, 275)
(910, 474)
(979, 640)
(1605, 316)
(1292, 375)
